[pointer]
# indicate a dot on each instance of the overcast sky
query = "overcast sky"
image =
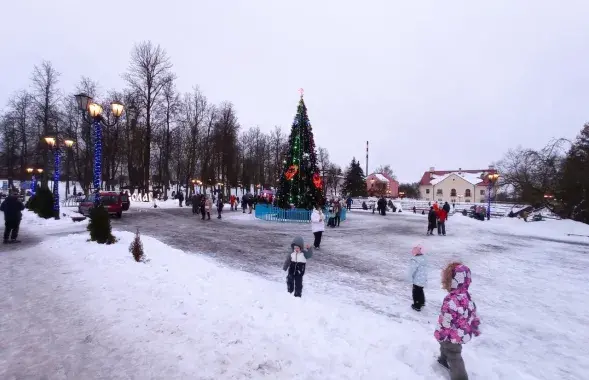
(429, 83)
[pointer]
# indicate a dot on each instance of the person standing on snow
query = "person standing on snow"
(220, 206)
(418, 273)
(180, 198)
(337, 211)
(206, 204)
(431, 221)
(349, 202)
(12, 208)
(458, 320)
(446, 208)
(442, 216)
(295, 264)
(317, 225)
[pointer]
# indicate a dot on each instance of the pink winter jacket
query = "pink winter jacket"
(458, 319)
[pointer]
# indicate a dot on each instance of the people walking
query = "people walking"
(295, 264)
(458, 320)
(349, 202)
(317, 225)
(220, 206)
(418, 273)
(12, 208)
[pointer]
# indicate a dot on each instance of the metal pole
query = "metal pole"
(56, 156)
(97, 160)
(489, 200)
(366, 157)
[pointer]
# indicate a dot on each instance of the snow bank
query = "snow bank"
(65, 224)
(200, 320)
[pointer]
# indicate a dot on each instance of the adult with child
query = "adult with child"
(317, 225)
(12, 208)
(458, 320)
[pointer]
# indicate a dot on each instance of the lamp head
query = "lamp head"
(94, 109)
(29, 170)
(50, 140)
(68, 142)
(39, 170)
(117, 109)
(83, 101)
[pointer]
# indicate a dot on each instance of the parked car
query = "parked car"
(126, 201)
(111, 200)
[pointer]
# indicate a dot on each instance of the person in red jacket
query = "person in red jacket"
(442, 216)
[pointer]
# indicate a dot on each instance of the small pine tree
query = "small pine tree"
(99, 226)
(354, 181)
(136, 248)
(42, 203)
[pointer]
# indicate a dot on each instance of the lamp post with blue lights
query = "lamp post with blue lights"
(493, 177)
(32, 172)
(92, 114)
(57, 147)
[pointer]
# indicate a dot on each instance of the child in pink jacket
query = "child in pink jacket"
(458, 320)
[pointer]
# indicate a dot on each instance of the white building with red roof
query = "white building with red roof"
(451, 186)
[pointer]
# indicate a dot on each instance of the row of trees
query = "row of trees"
(556, 175)
(164, 136)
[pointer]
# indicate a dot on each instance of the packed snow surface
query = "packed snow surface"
(79, 310)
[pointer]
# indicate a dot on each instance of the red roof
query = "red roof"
(426, 178)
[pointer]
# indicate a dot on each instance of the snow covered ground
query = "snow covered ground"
(72, 309)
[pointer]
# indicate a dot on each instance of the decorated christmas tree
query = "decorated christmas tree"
(300, 183)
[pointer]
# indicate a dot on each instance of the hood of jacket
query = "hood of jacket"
(299, 242)
(461, 278)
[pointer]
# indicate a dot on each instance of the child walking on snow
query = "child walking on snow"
(418, 272)
(295, 264)
(458, 320)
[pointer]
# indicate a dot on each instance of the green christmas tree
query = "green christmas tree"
(354, 182)
(300, 183)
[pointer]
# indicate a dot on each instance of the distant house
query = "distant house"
(451, 186)
(378, 184)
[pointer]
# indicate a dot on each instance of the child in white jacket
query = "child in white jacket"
(418, 273)
(317, 225)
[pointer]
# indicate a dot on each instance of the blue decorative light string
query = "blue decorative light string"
(56, 156)
(33, 183)
(97, 160)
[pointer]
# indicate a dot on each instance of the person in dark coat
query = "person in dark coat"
(432, 218)
(219, 206)
(382, 206)
(349, 202)
(180, 198)
(12, 208)
(196, 203)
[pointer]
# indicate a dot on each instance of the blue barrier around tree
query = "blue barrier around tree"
(295, 215)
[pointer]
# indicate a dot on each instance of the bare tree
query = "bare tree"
(46, 97)
(386, 170)
(324, 164)
(148, 74)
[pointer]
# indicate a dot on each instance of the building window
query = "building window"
(482, 192)
(427, 191)
(467, 193)
(453, 192)
(439, 192)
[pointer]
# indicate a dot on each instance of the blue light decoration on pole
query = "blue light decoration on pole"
(493, 177)
(56, 148)
(33, 178)
(88, 108)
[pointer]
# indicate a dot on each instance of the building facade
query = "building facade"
(470, 186)
(379, 184)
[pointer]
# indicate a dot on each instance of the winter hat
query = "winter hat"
(417, 250)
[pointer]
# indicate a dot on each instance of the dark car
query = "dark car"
(110, 200)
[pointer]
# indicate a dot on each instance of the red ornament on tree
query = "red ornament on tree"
(317, 180)
(291, 172)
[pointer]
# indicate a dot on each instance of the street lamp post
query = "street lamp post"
(32, 171)
(493, 177)
(88, 108)
(57, 148)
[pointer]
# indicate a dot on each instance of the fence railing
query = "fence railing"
(295, 215)
(71, 201)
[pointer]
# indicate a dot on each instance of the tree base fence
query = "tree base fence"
(293, 215)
